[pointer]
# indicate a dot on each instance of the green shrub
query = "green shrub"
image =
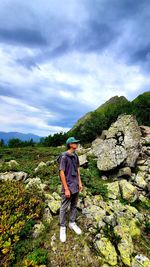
(91, 178)
(19, 207)
(38, 256)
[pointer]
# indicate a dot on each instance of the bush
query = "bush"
(19, 208)
(91, 178)
(38, 256)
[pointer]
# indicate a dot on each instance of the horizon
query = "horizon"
(62, 60)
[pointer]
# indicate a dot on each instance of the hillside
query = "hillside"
(102, 108)
(93, 123)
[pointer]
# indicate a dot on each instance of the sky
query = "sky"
(62, 59)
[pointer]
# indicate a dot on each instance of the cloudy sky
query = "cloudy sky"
(61, 59)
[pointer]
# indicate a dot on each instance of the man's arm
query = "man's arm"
(63, 179)
(80, 183)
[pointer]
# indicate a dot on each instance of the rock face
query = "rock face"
(121, 145)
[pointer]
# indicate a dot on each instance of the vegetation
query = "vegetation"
(19, 208)
(91, 178)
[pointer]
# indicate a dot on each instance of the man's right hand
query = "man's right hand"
(67, 193)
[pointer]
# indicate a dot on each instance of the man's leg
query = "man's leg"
(73, 206)
(63, 208)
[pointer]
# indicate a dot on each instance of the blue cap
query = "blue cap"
(72, 140)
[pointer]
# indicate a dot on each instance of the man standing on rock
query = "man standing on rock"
(71, 186)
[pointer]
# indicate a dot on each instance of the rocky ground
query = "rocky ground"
(116, 228)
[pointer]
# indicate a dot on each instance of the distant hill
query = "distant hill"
(24, 137)
(88, 127)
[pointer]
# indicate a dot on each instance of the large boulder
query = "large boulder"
(121, 145)
(110, 155)
(128, 191)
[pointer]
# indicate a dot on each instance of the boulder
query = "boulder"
(140, 179)
(54, 205)
(133, 228)
(113, 190)
(94, 212)
(125, 245)
(12, 163)
(110, 155)
(16, 176)
(36, 182)
(107, 250)
(40, 165)
(128, 191)
(83, 160)
(121, 145)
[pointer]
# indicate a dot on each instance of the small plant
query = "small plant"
(38, 256)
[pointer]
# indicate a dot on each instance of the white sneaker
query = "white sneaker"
(75, 227)
(62, 233)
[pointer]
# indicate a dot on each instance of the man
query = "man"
(71, 186)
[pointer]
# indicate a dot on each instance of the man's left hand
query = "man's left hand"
(80, 187)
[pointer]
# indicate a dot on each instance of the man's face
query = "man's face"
(74, 145)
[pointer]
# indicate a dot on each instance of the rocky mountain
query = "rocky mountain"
(93, 123)
(24, 137)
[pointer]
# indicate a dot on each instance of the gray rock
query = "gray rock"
(35, 182)
(140, 179)
(121, 145)
(82, 159)
(16, 176)
(113, 190)
(128, 191)
(110, 155)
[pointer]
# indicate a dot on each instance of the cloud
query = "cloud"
(61, 59)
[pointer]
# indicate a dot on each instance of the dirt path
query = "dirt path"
(76, 251)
